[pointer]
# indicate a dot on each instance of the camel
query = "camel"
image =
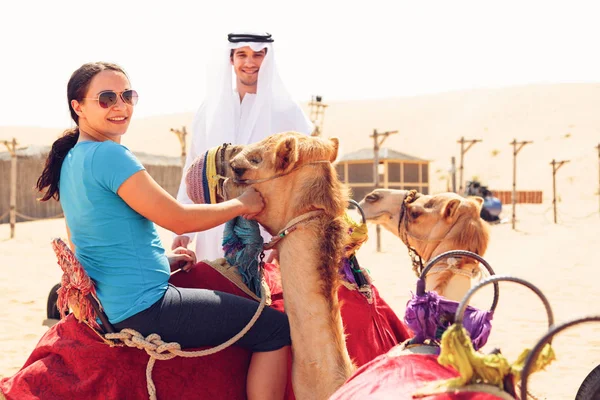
(430, 225)
(308, 205)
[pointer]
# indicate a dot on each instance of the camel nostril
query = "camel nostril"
(238, 171)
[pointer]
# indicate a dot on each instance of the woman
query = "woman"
(111, 204)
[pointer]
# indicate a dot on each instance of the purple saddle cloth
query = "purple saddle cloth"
(428, 315)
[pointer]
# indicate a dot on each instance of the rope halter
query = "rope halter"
(416, 259)
(291, 227)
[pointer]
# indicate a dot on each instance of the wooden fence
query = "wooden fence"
(523, 196)
(30, 163)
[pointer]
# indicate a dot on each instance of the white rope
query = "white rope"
(159, 350)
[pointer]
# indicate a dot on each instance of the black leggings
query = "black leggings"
(201, 317)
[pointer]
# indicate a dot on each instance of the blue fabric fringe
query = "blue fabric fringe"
(242, 244)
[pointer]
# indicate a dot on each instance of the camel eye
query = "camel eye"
(414, 214)
(372, 198)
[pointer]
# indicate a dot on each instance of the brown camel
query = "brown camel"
(304, 199)
(432, 225)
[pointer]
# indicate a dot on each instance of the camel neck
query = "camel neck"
(449, 284)
(312, 306)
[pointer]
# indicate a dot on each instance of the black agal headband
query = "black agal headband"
(246, 37)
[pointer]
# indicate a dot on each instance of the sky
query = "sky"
(342, 50)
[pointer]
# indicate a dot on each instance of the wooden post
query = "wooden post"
(555, 167)
(317, 114)
(462, 142)
(514, 188)
(376, 144)
(12, 149)
(181, 134)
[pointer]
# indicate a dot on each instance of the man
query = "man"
(259, 106)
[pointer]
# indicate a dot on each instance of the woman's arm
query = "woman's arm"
(148, 198)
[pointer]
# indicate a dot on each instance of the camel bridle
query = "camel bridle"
(415, 257)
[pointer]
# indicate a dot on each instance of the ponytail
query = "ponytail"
(51, 174)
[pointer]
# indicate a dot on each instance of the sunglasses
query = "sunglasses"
(108, 98)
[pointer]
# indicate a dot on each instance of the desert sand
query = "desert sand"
(561, 259)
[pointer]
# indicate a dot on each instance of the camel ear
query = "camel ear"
(478, 202)
(335, 144)
(450, 208)
(286, 153)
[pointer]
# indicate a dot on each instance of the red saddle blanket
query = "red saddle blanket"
(398, 377)
(72, 362)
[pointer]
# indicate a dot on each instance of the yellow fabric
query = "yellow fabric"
(544, 359)
(456, 351)
(211, 174)
(359, 233)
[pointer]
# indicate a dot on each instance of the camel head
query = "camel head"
(431, 224)
(294, 173)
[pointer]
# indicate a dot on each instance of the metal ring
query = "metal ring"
(533, 354)
(464, 253)
(362, 213)
(495, 279)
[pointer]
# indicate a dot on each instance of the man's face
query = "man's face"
(246, 63)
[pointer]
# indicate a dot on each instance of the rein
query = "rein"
(291, 227)
(253, 181)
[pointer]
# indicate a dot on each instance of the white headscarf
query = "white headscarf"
(273, 110)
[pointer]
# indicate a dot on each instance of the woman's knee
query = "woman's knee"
(276, 328)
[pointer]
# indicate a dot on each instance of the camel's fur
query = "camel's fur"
(436, 224)
(310, 256)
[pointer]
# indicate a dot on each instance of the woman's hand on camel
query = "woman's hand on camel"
(182, 258)
(253, 203)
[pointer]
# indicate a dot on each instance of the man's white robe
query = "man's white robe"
(282, 117)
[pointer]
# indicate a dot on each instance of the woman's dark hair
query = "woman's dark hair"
(76, 89)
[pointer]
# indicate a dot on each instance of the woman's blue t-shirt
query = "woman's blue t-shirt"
(118, 248)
